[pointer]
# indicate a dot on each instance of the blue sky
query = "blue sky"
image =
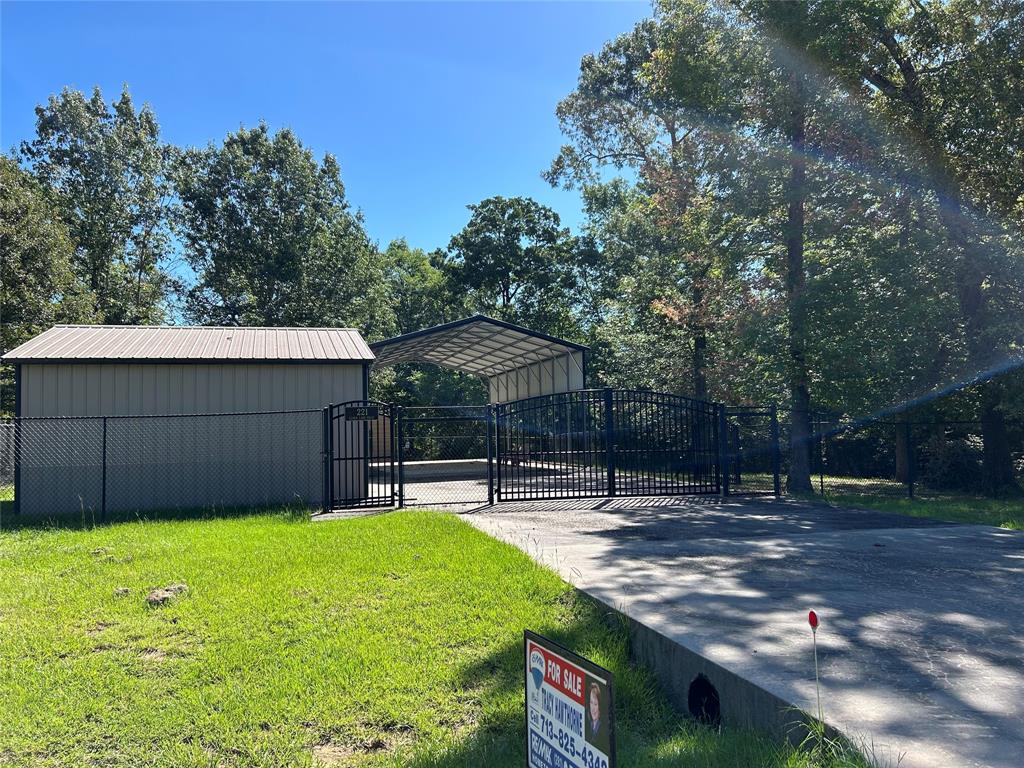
(427, 106)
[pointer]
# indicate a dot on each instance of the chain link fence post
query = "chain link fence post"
(325, 435)
(103, 492)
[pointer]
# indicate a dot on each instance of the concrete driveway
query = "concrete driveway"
(922, 639)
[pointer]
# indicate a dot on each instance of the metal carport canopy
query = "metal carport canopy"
(479, 344)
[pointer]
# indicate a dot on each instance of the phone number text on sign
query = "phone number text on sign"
(569, 708)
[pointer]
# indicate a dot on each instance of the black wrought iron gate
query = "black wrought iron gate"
(361, 467)
(607, 443)
(586, 443)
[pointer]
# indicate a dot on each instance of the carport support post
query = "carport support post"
(723, 449)
(400, 418)
(609, 439)
(776, 453)
(490, 454)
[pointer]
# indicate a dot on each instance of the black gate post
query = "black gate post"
(490, 454)
(609, 439)
(776, 452)
(723, 450)
(330, 454)
(103, 493)
(400, 418)
(326, 442)
(910, 460)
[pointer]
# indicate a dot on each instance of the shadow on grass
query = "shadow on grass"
(87, 518)
(649, 733)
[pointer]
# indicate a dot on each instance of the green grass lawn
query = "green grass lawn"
(890, 496)
(999, 512)
(392, 640)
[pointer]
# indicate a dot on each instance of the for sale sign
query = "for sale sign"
(569, 708)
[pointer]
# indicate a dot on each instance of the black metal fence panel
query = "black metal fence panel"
(552, 446)
(664, 444)
(897, 457)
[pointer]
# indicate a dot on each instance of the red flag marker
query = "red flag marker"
(812, 619)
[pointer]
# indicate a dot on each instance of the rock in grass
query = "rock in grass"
(122, 592)
(161, 595)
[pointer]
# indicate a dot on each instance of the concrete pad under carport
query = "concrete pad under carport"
(922, 639)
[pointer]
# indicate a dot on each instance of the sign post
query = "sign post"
(570, 712)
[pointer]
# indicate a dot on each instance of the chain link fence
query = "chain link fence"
(445, 454)
(99, 468)
(897, 458)
(755, 451)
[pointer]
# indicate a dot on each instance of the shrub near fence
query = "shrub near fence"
(98, 465)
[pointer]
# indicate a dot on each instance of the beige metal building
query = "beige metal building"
(269, 384)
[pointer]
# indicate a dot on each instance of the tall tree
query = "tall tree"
(272, 238)
(105, 169)
(38, 286)
(624, 114)
(513, 260)
(942, 82)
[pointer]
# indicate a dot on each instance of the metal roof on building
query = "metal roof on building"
(164, 343)
(478, 344)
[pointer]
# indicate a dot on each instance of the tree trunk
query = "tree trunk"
(799, 478)
(700, 347)
(700, 381)
(997, 460)
(971, 275)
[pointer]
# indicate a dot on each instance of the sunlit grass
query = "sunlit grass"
(392, 640)
(965, 509)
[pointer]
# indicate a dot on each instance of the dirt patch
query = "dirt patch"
(98, 628)
(334, 754)
(388, 737)
(161, 595)
(154, 655)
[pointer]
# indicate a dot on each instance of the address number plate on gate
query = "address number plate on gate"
(362, 413)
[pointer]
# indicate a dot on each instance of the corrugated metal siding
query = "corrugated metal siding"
(118, 389)
(127, 342)
(167, 463)
(559, 374)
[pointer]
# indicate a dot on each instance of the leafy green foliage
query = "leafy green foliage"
(514, 261)
(106, 173)
(271, 237)
(38, 286)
